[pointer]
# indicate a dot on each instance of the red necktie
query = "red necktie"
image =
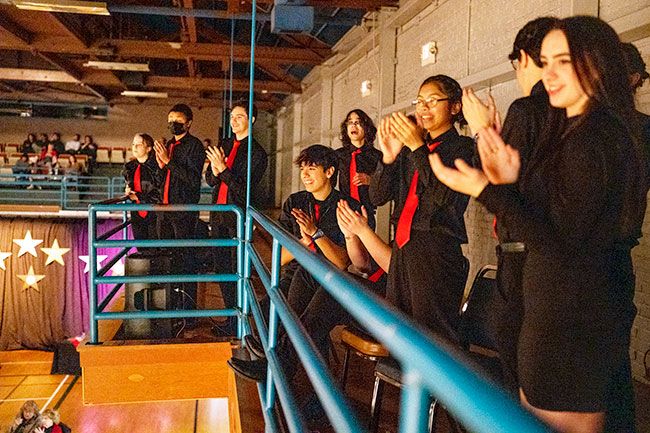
(403, 232)
(169, 175)
(354, 189)
(312, 245)
(377, 275)
(137, 186)
(222, 196)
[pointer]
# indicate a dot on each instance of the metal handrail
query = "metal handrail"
(430, 366)
(97, 276)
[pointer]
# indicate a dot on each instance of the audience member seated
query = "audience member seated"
(73, 145)
(89, 148)
(207, 143)
(49, 157)
(27, 420)
(51, 423)
(22, 166)
(28, 145)
(41, 142)
(55, 139)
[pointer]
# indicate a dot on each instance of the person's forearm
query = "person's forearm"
(335, 254)
(378, 249)
(357, 252)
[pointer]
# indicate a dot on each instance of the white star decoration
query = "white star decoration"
(118, 268)
(55, 253)
(85, 259)
(27, 244)
(3, 257)
(30, 280)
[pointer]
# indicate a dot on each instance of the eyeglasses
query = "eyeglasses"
(353, 123)
(515, 64)
(429, 102)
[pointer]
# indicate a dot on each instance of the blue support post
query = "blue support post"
(415, 401)
(92, 263)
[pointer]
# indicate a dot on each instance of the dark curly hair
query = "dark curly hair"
(452, 90)
(369, 128)
(635, 63)
(319, 155)
(530, 38)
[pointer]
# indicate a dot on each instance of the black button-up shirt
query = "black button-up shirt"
(185, 167)
(367, 161)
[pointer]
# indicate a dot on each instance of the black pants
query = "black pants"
(223, 225)
(180, 225)
(144, 228)
(509, 314)
(426, 281)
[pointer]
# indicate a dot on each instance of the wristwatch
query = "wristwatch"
(319, 234)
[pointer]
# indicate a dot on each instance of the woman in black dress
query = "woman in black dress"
(358, 159)
(579, 209)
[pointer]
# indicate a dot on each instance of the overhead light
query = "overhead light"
(264, 91)
(144, 94)
(366, 88)
(69, 6)
(429, 53)
(118, 66)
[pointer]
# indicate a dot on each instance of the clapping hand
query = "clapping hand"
(305, 221)
(350, 221)
(162, 156)
(478, 114)
(500, 161)
(406, 131)
(464, 178)
(361, 179)
(217, 158)
(389, 145)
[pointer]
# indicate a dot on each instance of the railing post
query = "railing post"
(414, 405)
(64, 187)
(92, 263)
(276, 256)
(244, 272)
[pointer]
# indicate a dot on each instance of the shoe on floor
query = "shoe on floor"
(253, 370)
(254, 346)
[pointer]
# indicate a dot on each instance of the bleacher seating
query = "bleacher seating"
(129, 155)
(117, 155)
(12, 158)
(64, 160)
(3, 158)
(11, 148)
(103, 155)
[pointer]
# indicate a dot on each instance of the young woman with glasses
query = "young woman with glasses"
(579, 208)
(427, 271)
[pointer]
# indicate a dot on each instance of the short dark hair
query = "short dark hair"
(183, 108)
(320, 155)
(452, 90)
(635, 63)
(147, 140)
(243, 103)
(369, 128)
(530, 38)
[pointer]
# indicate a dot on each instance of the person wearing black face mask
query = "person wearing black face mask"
(180, 163)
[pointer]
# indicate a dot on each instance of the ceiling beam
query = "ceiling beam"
(347, 4)
(66, 22)
(216, 84)
(15, 30)
(172, 50)
(70, 69)
(42, 75)
(193, 101)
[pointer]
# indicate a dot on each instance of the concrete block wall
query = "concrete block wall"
(473, 38)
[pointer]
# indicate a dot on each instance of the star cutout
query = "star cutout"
(30, 280)
(55, 253)
(85, 259)
(118, 268)
(27, 244)
(3, 257)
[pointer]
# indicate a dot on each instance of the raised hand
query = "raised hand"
(389, 145)
(305, 221)
(361, 179)
(495, 116)
(464, 178)
(162, 156)
(476, 112)
(406, 131)
(350, 220)
(217, 158)
(500, 161)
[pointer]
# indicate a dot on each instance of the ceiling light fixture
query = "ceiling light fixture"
(117, 66)
(67, 6)
(144, 94)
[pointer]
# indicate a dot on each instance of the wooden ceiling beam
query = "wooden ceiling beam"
(15, 30)
(70, 69)
(172, 50)
(347, 4)
(215, 84)
(192, 100)
(66, 22)
(41, 75)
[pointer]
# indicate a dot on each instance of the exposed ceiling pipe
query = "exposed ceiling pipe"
(208, 13)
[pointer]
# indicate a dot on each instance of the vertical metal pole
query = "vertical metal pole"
(63, 193)
(243, 271)
(249, 230)
(414, 405)
(276, 255)
(92, 288)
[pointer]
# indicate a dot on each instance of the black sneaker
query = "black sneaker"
(253, 370)
(254, 346)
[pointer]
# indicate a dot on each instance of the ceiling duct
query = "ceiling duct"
(292, 16)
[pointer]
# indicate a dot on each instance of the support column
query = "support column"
(297, 139)
(327, 96)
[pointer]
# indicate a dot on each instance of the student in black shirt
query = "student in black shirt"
(427, 269)
(141, 175)
(179, 182)
(521, 129)
(55, 140)
(311, 216)
(41, 142)
(358, 159)
(227, 175)
(578, 209)
(28, 145)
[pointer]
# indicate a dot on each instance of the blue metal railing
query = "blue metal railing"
(98, 277)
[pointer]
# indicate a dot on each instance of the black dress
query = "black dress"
(428, 274)
(578, 213)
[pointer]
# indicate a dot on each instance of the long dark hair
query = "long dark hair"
(369, 128)
(453, 91)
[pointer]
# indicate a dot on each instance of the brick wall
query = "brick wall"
(473, 38)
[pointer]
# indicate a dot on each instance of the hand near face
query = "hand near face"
(305, 221)
(464, 178)
(361, 179)
(476, 112)
(217, 158)
(406, 131)
(162, 156)
(500, 161)
(389, 145)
